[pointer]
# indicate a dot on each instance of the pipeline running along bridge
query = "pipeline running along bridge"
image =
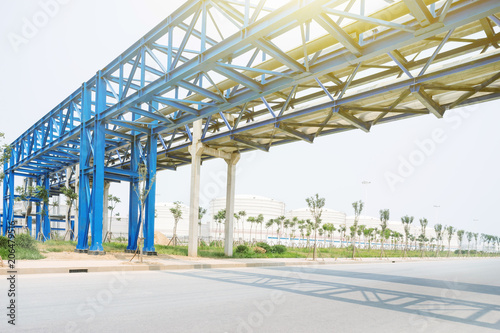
(221, 77)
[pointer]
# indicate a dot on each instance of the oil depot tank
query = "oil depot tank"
(253, 205)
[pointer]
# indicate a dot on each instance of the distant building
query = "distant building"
(253, 205)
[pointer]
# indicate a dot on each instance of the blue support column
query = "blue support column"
(30, 225)
(133, 222)
(9, 195)
(98, 169)
(38, 218)
(8, 200)
(149, 223)
(5, 205)
(46, 229)
(84, 187)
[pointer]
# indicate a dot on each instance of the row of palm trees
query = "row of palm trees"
(359, 235)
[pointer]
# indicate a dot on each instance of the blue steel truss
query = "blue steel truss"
(257, 76)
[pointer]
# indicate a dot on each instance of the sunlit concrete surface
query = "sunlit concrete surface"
(446, 296)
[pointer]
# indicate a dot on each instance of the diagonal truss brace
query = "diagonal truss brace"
(427, 101)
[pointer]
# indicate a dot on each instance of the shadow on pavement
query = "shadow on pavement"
(447, 306)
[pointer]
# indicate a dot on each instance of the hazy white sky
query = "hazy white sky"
(458, 171)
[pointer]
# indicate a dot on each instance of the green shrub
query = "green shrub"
(215, 244)
(278, 249)
(4, 241)
(25, 241)
(259, 249)
(25, 248)
(241, 249)
(265, 246)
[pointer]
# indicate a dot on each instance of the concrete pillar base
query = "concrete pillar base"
(96, 253)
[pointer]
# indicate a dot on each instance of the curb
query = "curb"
(152, 267)
(187, 266)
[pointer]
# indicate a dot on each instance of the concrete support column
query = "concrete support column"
(196, 151)
(230, 192)
(105, 212)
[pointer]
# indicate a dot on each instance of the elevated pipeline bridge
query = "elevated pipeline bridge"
(221, 77)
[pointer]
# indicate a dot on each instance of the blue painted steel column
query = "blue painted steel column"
(149, 223)
(38, 218)
(133, 213)
(98, 168)
(84, 187)
(46, 229)
(72, 236)
(8, 199)
(5, 205)
(30, 225)
(9, 179)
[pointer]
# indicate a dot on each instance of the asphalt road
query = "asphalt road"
(446, 296)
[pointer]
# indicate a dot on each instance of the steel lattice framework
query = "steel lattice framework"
(257, 75)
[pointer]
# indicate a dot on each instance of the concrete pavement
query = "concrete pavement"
(433, 296)
(84, 263)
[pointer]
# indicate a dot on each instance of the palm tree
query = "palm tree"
(279, 226)
(384, 237)
(438, 228)
(422, 239)
(201, 212)
(220, 218)
(460, 235)
(292, 225)
(238, 216)
(407, 221)
(177, 214)
(259, 220)
(252, 220)
(329, 229)
(476, 235)
(367, 235)
(315, 205)
(342, 231)
(384, 217)
(360, 232)
(358, 208)
(469, 239)
(269, 224)
(301, 226)
(450, 230)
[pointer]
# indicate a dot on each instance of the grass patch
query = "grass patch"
(54, 249)
(217, 251)
(114, 247)
(25, 248)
